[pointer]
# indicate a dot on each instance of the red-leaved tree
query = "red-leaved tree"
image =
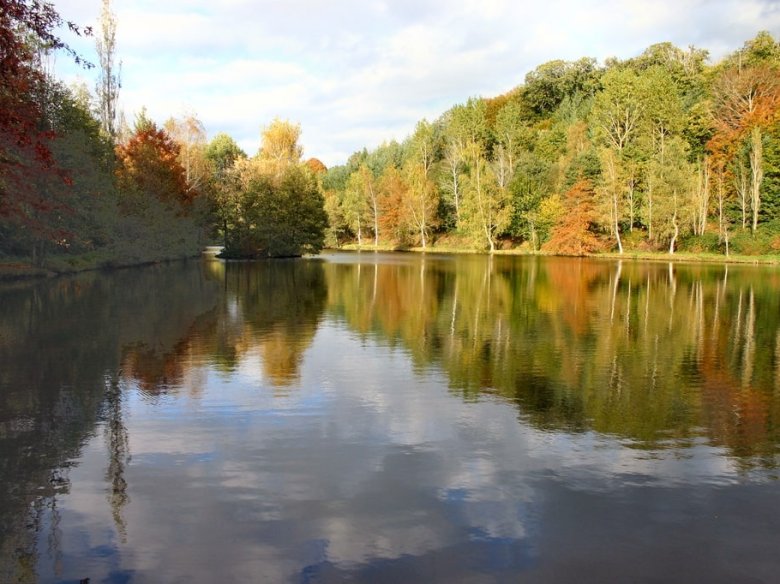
(149, 164)
(27, 165)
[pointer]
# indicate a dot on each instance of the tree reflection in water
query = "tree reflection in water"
(118, 455)
(658, 354)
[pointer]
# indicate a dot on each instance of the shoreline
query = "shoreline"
(682, 256)
(16, 270)
(19, 271)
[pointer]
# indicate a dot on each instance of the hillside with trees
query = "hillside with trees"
(660, 152)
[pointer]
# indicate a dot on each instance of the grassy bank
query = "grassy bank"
(680, 256)
(14, 269)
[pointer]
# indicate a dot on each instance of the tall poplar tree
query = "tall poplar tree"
(109, 78)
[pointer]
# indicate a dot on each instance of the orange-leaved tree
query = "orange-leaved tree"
(149, 165)
(574, 233)
(746, 103)
(316, 166)
(394, 217)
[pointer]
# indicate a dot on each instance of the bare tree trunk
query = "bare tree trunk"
(534, 237)
(756, 173)
(613, 188)
(676, 226)
(616, 226)
(721, 197)
(631, 203)
(702, 199)
(649, 210)
(456, 194)
(741, 184)
(376, 217)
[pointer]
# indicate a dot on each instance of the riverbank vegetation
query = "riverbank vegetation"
(81, 188)
(658, 153)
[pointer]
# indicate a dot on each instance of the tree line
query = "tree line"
(657, 152)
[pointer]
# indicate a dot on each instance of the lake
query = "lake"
(392, 418)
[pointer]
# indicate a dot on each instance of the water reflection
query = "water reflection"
(657, 353)
(391, 417)
(61, 344)
(266, 319)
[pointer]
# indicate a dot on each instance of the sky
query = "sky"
(357, 73)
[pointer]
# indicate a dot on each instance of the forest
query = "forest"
(661, 152)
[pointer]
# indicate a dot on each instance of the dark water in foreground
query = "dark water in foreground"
(392, 418)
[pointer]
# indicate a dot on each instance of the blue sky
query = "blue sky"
(357, 73)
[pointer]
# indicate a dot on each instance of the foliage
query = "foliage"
(149, 165)
(28, 170)
(280, 147)
(223, 152)
(573, 234)
(669, 144)
(276, 218)
(549, 84)
(189, 134)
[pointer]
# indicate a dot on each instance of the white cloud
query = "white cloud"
(356, 74)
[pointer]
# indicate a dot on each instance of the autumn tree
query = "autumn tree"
(574, 234)
(462, 124)
(316, 166)
(27, 164)
(550, 83)
(674, 181)
(355, 206)
(334, 184)
(366, 185)
(617, 115)
(531, 185)
(747, 101)
(393, 194)
(149, 165)
(279, 148)
(270, 205)
(190, 135)
(222, 153)
(662, 120)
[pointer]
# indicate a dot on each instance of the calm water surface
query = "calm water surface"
(392, 418)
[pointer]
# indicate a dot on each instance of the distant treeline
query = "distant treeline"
(656, 152)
